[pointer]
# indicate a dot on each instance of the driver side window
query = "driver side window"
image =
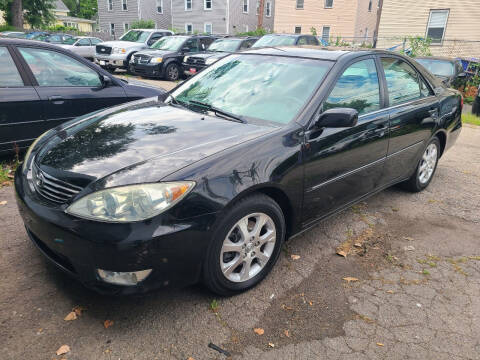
(357, 88)
(191, 45)
(52, 68)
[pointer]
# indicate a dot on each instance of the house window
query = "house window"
(112, 29)
(110, 5)
(328, 4)
(437, 22)
(299, 4)
(188, 5)
(257, 7)
(268, 9)
(245, 6)
(124, 5)
(189, 28)
(159, 4)
(370, 5)
(207, 4)
(207, 28)
(298, 29)
(326, 33)
(125, 27)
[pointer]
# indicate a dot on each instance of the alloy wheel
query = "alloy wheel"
(248, 247)
(428, 163)
(173, 72)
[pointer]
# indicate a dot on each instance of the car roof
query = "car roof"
(289, 35)
(152, 30)
(14, 41)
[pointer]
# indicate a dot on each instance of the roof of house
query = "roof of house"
(60, 6)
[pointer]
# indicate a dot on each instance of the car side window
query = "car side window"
(154, 38)
(302, 41)
(246, 44)
(9, 75)
(191, 45)
(96, 41)
(357, 88)
(312, 40)
(52, 68)
(403, 82)
(84, 42)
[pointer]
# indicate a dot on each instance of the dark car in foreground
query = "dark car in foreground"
(448, 70)
(164, 58)
(217, 50)
(253, 150)
(285, 40)
(43, 86)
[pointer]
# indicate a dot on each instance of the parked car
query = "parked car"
(43, 86)
(14, 34)
(253, 150)
(56, 38)
(448, 70)
(220, 48)
(164, 58)
(82, 45)
(116, 54)
(35, 34)
(285, 39)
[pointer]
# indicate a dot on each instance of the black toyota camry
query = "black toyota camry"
(255, 149)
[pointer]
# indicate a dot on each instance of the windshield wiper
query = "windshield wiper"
(219, 112)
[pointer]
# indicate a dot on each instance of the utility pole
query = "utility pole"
(260, 13)
(16, 9)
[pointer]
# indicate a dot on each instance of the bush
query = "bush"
(257, 32)
(143, 24)
(7, 28)
(418, 46)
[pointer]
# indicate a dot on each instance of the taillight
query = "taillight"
(461, 102)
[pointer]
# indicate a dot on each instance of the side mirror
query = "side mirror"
(105, 80)
(337, 118)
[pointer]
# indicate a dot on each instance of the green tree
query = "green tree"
(37, 13)
(142, 24)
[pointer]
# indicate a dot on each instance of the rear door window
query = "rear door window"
(191, 45)
(357, 88)
(9, 75)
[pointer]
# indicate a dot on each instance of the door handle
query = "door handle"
(56, 99)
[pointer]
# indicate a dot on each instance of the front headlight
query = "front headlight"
(119, 50)
(185, 59)
(130, 203)
(156, 60)
(210, 61)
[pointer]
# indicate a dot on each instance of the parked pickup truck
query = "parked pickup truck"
(111, 55)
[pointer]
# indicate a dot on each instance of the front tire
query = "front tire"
(426, 167)
(245, 246)
(172, 72)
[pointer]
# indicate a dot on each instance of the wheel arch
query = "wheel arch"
(442, 137)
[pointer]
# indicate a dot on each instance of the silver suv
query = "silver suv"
(116, 54)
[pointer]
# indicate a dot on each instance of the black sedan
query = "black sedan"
(42, 86)
(448, 70)
(253, 150)
(286, 40)
(217, 50)
(164, 58)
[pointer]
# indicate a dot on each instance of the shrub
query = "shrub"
(142, 24)
(257, 32)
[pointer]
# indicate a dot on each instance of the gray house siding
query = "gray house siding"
(239, 20)
(198, 16)
(119, 17)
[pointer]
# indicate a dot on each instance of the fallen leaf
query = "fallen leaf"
(10, 176)
(4, 202)
(107, 323)
(259, 331)
(390, 291)
(271, 345)
(63, 349)
(285, 307)
(342, 253)
(39, 331)
(287, 333)
(310, 303)
(349, 279)
(70, 316)
(408, 238)
(380, 344)
(78, 310)
(359, 245)
(190, 358)
(409, 248)
(295, 257)
(107, 351)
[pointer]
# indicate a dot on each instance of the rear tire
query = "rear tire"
(245, 245)
(426, 168)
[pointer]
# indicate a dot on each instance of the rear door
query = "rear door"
(84, 48)
(21, 112)
(67, 87)
(414, 113)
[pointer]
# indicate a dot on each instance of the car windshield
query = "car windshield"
(274, 40)
(70, 41)
(136, 36)
(172, 43)
(438, 67)
(228, 45)
(255, 86)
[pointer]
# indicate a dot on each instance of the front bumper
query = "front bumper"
(111, 61)
(192, 69)
(174, 249)
(147, 70)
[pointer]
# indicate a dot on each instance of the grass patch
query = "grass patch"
(7, 169)
(470, 119)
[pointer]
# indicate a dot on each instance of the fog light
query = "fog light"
(123, 278)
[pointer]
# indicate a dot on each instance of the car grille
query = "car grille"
(141, 59)
(193, 60)
(100, 49)
(51, 188)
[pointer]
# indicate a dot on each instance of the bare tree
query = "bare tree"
(17, 13)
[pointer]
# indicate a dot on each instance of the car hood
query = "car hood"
(208, 55)
(121, 44)
(143, 141)
(155, 53)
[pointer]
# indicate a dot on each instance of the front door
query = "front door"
(344, 164)
(21, 115)
(67, 87)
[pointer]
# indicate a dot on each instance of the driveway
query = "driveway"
(408, 288)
